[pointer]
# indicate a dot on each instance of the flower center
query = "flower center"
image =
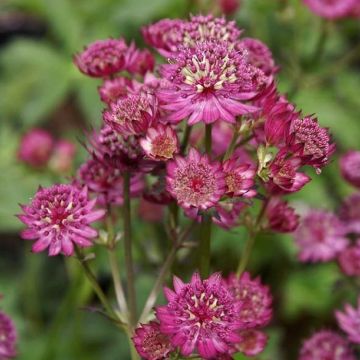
(163, 146)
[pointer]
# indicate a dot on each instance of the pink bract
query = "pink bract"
(102, 58)
(138, 61)
(281, 217)
(320, 236)
(349, 260)
(201, 316)
(195, 181)
(326, 345)
(150, 343)
(58, 218)
(349, 321)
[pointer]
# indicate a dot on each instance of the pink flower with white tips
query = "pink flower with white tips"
(112, 89)
(195, 181)
(255, 299)
(161, 143)
(239, 178)
(132, 114)
(209, 82)
(349, 321)
(58, 218)
(102, 58)
(327, 345)
(320, 236)
(150, 343)
(201, 316)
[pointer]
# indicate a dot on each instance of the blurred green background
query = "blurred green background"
(40, 86)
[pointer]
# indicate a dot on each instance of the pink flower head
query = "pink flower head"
(8, 337)
(227, 214)
(209, 82)
(284, 174)
(326, 345)
(138, 61)
(281, 217)
(112, 89)
(165, 35)
(255, 299)
(63, 156)
(123, 152)
(350, 213)
(194, 181)
(350, 167)
(349, 321)
(132, 114)
(102, 58)
(36, 147)
(150, 343)
(106, 182)
(332, 9)
(59, 217)
(349, 260)
(259, 55)
(200, 316)
(310, 142)
(239, 178)
(252, 342)
(229, 7)
(320, 236)
(161, 143)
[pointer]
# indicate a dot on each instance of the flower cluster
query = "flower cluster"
(8, 337)
(212, 318)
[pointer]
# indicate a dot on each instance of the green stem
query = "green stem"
(253, 231)
(128, 252)
(205, 245)
(208, 140)
(186, 138)
(95, 285)
(232, 145)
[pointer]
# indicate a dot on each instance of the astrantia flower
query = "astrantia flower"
(311, 142)
(252, 342)
(138, 61)
(229, 7)
(255, 299)
(208, 83)
(106, 182)
(165, 35)
(122, 152)
(195, 181)
(284, 174)
(161, 143)
(350, 167)
(320, 236)
(200, 316)
(62, 158)
(132, 114)
(259, 55)
(102, 58)
(326, 345)
(8, 337)
(349, 260)
(331, 9)
(281, 217)
(59, 217)
(35, 147)
(350, 213)
(349, 322)
(112, 89)
(239, 178)
(150, 343)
